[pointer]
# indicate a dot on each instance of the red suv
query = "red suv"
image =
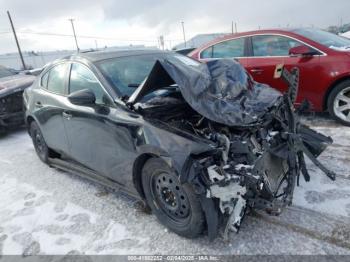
(323, 59)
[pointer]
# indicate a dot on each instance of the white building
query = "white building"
(198, 40)
(39, 59)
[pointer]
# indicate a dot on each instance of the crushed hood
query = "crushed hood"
(220, 90)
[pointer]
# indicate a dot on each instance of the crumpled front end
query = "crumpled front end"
(257, 167)
(260, 143)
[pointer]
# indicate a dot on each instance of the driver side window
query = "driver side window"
(82, 78)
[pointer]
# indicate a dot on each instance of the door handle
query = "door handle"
(67, 115)
(257, 70)
(38, 104)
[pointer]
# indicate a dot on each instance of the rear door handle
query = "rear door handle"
(38, 104)
(257, 70)
(67, 115)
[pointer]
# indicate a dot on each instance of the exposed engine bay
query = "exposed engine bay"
(257, 162)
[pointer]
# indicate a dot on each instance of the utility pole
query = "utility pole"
(161, 41)
(341, 25)
(232, 27)
(158, 42)
(75, 37)
(18, 47)
(236, 27)
(183, 32)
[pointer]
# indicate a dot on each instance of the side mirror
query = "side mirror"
(302, 50)
(83, 97)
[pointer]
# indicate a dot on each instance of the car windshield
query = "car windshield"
(125, 74)
(324, 38)
(5, 72)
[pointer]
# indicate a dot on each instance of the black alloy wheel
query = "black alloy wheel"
(175, 205)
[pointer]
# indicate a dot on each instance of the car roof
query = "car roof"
(95, 56)
(289, 31)
(261, 31)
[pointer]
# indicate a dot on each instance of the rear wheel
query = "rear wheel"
(339, 102)
(39, 142)
(176, 206)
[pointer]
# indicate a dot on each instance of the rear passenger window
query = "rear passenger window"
(57, 78)
(207, 53)
(44, 79)
(227, 49)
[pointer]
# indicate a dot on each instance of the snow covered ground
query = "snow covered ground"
(47, 211)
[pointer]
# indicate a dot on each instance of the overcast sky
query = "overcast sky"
(126, 22)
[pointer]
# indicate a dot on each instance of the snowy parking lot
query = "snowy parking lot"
(47, 211)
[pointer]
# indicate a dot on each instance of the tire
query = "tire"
(176, 206)
(338, 103)
(39, 142)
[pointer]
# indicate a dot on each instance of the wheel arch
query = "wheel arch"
(209, 206)
(137, 171)
(28, 120)
(330, 89)
(147, 152)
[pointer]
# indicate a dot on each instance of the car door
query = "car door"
(232, 48)
(309, 66)
(49, 103)
(99, 137)
(268, 51)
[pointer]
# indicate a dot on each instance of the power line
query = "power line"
(92, 37)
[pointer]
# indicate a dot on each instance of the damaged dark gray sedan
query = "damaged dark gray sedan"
(200, 144)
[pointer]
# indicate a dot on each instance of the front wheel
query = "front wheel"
(339, 103)
(175, 205)
(39, 142)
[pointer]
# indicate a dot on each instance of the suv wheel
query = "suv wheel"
(39, 143)
(339, 103)
(176, 206)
